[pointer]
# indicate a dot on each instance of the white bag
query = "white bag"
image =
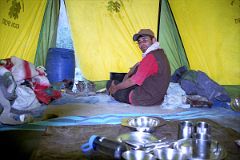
(26, 99)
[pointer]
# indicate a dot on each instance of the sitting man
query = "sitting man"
(147, 81)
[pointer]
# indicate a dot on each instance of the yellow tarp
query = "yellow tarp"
(20, 24)
(103, 39)
(210, 31)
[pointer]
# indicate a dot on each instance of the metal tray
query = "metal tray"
(143, 124)
(185, 146)
(137, 139)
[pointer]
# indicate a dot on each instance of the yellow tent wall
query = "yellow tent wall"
(20, 25)
(103, 43)
(103, 39)
(210, 32)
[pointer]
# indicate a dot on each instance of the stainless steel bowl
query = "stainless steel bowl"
(143, 124)
(169, 154)
(137, 155)
(237, 142)
(235, 104)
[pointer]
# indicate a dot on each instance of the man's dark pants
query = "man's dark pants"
(121, 95)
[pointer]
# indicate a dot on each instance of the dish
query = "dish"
(169, 154)
(137, 140)
(137, 155)
(185, 146)
(143, 124)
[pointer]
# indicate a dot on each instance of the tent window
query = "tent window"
(64, 38)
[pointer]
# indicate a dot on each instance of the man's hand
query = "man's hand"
(123, 85)
(113, 88)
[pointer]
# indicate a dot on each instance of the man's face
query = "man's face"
(144, 43)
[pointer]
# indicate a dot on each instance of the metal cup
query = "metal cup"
(203, 127)
(185, 130)
(201, 146)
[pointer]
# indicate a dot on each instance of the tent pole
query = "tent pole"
(178, 33)
(159, 14)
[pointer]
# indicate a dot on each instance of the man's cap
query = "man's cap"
(143, 32)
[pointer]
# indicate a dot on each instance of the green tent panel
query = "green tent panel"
(202, 35)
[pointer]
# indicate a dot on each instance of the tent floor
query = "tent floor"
(61, 128)
(64, 142)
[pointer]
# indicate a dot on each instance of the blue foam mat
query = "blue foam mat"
(231, 119)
